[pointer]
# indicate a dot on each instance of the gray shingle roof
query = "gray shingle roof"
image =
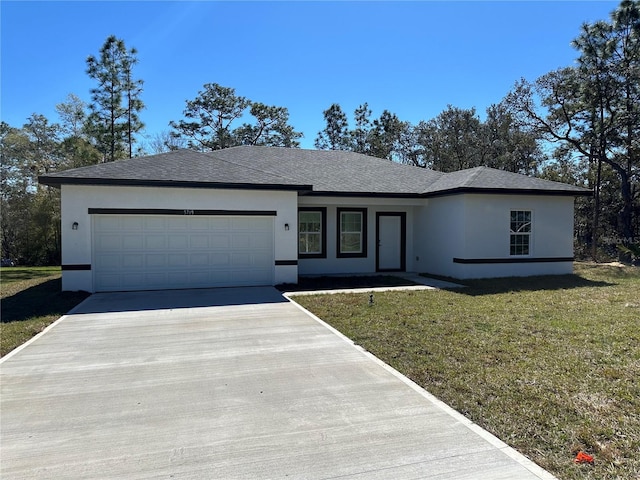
(320, 172)
(332, 171)
(491, 179)
(177, 168)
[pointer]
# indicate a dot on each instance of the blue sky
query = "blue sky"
(412, 58)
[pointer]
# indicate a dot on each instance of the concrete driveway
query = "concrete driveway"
(224, 384)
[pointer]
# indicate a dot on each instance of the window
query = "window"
(352, 232)
(520, 232)
(312, 236)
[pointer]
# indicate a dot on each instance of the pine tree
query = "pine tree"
(336, 135)
(116, 102)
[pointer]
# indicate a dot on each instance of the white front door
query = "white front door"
(391, 239)
(150, 252)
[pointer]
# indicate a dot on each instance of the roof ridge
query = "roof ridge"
(475, 171)
(474, 175)
(250, 167)
(115, 162)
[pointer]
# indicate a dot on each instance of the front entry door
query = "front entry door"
(391, 241)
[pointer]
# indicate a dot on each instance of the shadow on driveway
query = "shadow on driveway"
(174, 299)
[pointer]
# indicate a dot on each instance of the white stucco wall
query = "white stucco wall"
(477, 227)
(469, 226)
(77, 199)
(438, 229)
(439, 234)
(334, 265)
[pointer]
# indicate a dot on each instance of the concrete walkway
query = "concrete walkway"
(224, 384)
(426, 281)
(421, 283)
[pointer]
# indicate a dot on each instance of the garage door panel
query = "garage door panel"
(178, 260)
(199, 223)
(132, 279)
(251, 223)
(135, 260)
(220, 259)
(107, 224)
(155, 242)
(108, 261)
(198, 259)
(132, 242)
(200, 278)
(220, 241)
(109, 281)
(199, 241)
(246, 277)
(259, 240)
(241, 259)
(260, 260)
(179, 279)
(132, 223)
(155, 222)
(178, 242)
(155, 260)
(156, 280)
(240, 224)
(241, 241)
(263, 223)
(138, 252)
(177, 223)
(110, 242)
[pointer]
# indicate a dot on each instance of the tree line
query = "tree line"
(454, 140)
(579, 124)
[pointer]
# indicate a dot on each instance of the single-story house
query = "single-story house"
(263, 215)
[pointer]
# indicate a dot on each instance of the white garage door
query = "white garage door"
(149, 252)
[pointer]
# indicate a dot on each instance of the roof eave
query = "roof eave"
(508, 191)
(58, 181)
(326, 193)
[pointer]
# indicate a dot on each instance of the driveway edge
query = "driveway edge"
(38, 335)
(32, 339)
(489, 437)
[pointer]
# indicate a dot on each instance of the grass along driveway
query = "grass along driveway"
(30, 300)
(551, 365)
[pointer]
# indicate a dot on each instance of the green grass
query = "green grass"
(30, 300)
(10, 275)
(550, 365)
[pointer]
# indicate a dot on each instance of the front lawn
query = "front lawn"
(13, 275)
(550, 365)
(30, 300)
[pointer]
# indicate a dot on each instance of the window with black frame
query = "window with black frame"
(312, 236)
(520, 232)
(352, 232)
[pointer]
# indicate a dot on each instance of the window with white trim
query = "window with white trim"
(520, 232)
(352, 232)
(312, 236)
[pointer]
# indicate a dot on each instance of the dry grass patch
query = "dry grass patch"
(551, 365)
